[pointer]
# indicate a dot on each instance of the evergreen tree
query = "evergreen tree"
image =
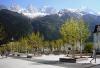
(2, 32)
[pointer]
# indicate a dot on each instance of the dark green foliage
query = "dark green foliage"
(16, 25)
(88, 47)
(48, 26)
(2, 32)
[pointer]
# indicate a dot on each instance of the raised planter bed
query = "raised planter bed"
(69, 60)
(29, 56)
(18, 55)
(13, 54)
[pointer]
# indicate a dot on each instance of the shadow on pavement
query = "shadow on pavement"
(56, 63)
(94, 66)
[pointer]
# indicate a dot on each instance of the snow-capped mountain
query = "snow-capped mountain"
(48, 10)
(33, 12)
(80, 12)
(48, 25)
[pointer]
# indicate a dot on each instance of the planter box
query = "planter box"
(13, 54)
(18, 54)
(69, 60)
(29, 56)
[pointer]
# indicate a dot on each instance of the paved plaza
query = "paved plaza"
(45, 61)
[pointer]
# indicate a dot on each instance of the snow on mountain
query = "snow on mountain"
(33, 15)
(80, 12)
(98, 13)
(33, 12)
(15, 8)
(89, 11)
(31, 9)
(70, 12)
(48, 10)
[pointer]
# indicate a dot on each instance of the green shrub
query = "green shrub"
(88, 47)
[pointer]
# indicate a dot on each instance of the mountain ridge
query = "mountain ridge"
(48, 25)
(33, 12)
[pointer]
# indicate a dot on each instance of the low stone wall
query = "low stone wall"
(69, 60)
(29, 56)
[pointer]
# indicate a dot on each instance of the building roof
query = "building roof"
(97, 29)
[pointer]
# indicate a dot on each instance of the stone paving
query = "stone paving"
(50, 61)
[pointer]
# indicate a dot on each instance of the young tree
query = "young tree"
(69, 32)
(58, 44)
(73, 31)
(45, 46)
(36, 40)
(23, 45)
(83, 33)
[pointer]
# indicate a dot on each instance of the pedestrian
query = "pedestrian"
(2, 53)
(6, 54)
(93, 56)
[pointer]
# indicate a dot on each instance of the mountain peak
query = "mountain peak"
(33, 12)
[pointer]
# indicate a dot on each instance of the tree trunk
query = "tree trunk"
(80, 49)
(73, 53)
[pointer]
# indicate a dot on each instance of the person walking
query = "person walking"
(2, 54)
(6, 54)
(93, 56)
